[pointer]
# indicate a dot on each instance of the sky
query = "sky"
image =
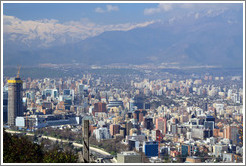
(50, 21)
(105, 13)
(101, 13)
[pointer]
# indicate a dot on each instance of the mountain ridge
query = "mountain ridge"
(206, 41)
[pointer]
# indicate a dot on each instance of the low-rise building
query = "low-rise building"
(193, 159)
(129, 157)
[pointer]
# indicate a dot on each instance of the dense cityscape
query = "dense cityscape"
(151, 116)
(149, 82)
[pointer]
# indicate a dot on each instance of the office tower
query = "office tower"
(231, 132)
(209, 125)
(128, 127)
(161, 124)
(210, 118)
(5, 105)
(187, 150)
(102, 133)
(99, 107)
(148, 123)
(68, 102)
(139, 102)
(15, 107)
(132, 105)
(139, 114)
(150, 149)
(50, 92)
(114, 129)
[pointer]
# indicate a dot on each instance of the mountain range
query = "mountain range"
(215, 41)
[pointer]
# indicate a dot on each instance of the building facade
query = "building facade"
(15, 106)
(129, 157)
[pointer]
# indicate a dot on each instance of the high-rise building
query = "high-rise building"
(15, 106)
(210, 119)
(187, 150)
(5, 105)
(139, 114)
(102, 133)
(50, 92)
(132, 105)
(161, 124)
(128, 127)
(114, 129)
(137, 103)
(148, 123)
(150, 149)
(99, 107)
(231, 132)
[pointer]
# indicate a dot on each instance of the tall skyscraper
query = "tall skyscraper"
(15, 107)
(5, 104)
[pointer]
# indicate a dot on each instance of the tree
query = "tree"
(57, 156)
(20, 150)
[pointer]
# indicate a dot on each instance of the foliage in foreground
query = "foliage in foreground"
(21, 150)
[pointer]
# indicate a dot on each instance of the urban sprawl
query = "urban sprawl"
(163, 118)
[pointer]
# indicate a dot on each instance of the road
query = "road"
(92, 149)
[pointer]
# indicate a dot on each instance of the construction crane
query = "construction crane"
(159, 145)
(159, 138)
(18, 74)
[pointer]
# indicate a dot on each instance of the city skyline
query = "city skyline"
(123, 82)
(172, 115)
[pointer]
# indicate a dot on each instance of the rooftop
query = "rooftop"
(129, 153)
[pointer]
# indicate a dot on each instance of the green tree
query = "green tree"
(20, 150)
(56, 156)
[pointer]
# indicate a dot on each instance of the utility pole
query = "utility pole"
(86, 141)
